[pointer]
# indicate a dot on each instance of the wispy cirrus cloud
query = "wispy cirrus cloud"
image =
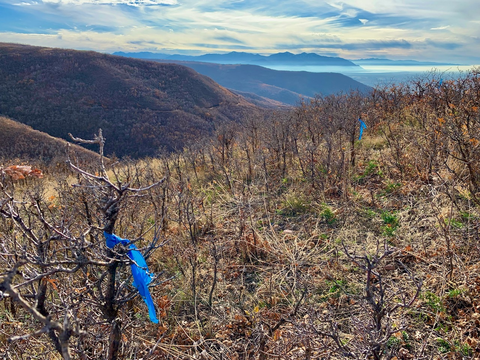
(229, 39)
(440, 28)
(105, 2)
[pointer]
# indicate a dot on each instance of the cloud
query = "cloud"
(440, 28)
(144, 43)
(113, 2)
(363, 21)
(443, 44)
(229, 39)
(360, 45)
(378, 44)
(222, 48)
(336, 5)
(351, 13)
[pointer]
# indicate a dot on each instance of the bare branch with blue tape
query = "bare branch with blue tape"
(141, 276)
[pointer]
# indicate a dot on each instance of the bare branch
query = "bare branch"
(98, 139)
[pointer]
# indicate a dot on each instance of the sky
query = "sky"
(433, 30)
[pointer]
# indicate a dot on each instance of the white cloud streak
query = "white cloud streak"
(112, 2)
(440, 28)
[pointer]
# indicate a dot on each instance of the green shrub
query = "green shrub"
(391, 223)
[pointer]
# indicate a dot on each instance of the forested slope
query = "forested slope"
(285, 86)
(21, 142)
(142, 106)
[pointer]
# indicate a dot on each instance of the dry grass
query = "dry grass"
(270, 264)
(271, 251)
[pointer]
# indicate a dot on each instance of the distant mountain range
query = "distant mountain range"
(142, 106)
(285, 58)
(377, 61)
(284, 86)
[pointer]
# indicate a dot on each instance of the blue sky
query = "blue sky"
(435, 30)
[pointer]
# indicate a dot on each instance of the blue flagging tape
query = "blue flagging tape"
(141, 276)
(362, 127)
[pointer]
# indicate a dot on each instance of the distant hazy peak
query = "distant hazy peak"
(248, 58)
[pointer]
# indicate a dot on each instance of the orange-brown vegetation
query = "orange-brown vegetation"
(19, 172)
(19, 141)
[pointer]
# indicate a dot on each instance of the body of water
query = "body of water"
(384, 74)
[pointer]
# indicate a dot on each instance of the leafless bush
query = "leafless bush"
(57, 267)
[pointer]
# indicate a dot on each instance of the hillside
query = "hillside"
(284, 238)
(284, 86)
(142, 106)
(19, 141)
(261, 100)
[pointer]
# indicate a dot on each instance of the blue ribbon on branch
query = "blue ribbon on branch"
(362, 127)
(141, 276)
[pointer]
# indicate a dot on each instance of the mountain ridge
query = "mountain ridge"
(247, 58)
(142, 106)
(284, 86)
(20, 141)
